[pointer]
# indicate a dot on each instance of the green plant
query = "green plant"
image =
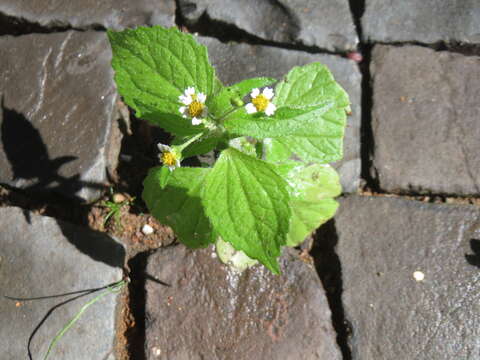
(114, 209)
(271, 184)
(109, 289)
(114, 288)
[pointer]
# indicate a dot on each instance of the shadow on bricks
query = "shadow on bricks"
(474, 259)
(79, 294)
(29, 159)
(28, 156)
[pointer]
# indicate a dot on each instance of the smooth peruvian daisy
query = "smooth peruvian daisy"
(261, 102)
(168, 157)
(195, 105)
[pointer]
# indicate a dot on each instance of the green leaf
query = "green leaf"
(231, 257)
(164, 176)
(306, 87)
(312, 189)
(222, 102)
(247, 204)
(153, 67)
(179, 204)
(285, 122)
(275, 152)
(244, 145)
(310, 85)
(308, 216)
(245, 86)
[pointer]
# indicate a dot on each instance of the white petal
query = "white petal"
(163, 147)
(182, 109)
(201, 97)
(196, 121)
(268, 93)
(190, 91)
(183, 99)
(255, 92)
(270, 110)
(187, 100)
(177, 163)
(250, 108)
(171, 168)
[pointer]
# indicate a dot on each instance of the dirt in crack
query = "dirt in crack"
(131, 334)
(367, 142)
(329, 270)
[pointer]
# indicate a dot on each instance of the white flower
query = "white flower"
(168, 157)
(194, 105)
(261, 102)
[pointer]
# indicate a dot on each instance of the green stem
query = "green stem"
(221, 118)
(111, 289)
(188, 142)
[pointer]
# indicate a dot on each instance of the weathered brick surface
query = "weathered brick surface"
(381, 243)
(210, 312)
(40, 256)
(109, 14)
(325, 24)
(426, 21)
(58, 116)
(426, 120)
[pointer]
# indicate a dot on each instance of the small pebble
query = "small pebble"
(355, 56)
(156, 351)
(147, 229)
(418, 276)
(118, 198)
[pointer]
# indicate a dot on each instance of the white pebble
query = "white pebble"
(147, 229)
(418, 276)
(156, 351)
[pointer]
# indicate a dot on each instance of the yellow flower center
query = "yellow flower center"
(195, 108)
(260, 102)
(169, 158)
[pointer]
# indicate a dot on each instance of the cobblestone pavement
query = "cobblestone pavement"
(395, 275)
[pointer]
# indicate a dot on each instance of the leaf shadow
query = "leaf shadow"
(30, 161)
(474, 259)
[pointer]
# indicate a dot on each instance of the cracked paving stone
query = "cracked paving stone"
(88, 14)
(326, 24)
(411, 279)
(210, 312)
(58, 116)
(425, 120)
(235, 62)
(425, 21)
(40, 256)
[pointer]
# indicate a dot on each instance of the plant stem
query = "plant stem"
(188, 142)
(111, 289)
(228, 113)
